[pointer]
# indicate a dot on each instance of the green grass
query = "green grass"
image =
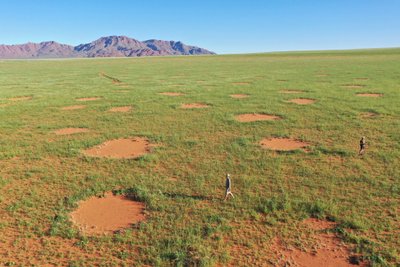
(43, 176)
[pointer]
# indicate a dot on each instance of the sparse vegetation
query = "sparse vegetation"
(44, 175)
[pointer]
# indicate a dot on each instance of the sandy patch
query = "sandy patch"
(369, 114)
(282, 80)
(67, 131)
(302, 101)
(353, 85)
(290, 91)
(282, 144)
(20, 98)
(88, 99)
(128, 148)
(74, 107)
(362, 79)
(121, 109)
(241, 83)
(239, 96)
(171, 94)
(329, 251)
(107, 214)
(194, 105)
(250, 117)
(370, 94)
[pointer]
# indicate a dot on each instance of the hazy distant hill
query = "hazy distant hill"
(111, 46)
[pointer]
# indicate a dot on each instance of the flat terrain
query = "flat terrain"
(183, 107)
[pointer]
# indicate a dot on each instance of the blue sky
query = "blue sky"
(235, 26)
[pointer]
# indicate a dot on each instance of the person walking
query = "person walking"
(228, 187)
(362, 146)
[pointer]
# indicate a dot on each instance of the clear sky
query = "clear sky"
(224, 26)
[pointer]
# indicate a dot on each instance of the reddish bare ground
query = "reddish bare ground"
(88, 99)
(20, 98)
(250, 117)
(121, 109)
(368, 115)
(239, 96)
(107, 214)
(353, 85)
(171, 93)
(329, 251)
(302, 101)
(67, 131)
(194, 105)
(290, 91)
(73, 107)
(370, 94)
(121, 148)
(282, 144)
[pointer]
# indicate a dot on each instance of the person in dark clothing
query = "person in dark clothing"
(228, 188)
(362, 146)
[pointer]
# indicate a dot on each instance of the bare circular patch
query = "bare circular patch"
(329, 250)
(368, 115)
(107, 214)
(370, 94)
(353, 85)
(88, 99)
(282, 144)
(239, 96)
(171, 94)
(20, 98)
(302, 101)
(250, 117)
(129, 148)
(290, 91)
(67, 131)
(121, 109)
(73, 107)
(194, 105)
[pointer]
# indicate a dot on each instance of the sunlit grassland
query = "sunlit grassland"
(43, 176)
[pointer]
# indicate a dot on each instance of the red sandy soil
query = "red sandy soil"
(289, 91)
(171, 94)
(121, 148)
(107, 214)
(67, 131)
(282, 144)
(368, 115)
(328, 252)
(370, 94)
(121, 109)
(239, 96)
(88, 99)
(20, 98)
(256, 117)
(302, 101)
(240, 83)
(194, 105)
(353, 85)
(73, 107)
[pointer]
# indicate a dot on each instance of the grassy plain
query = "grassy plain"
(43, 176)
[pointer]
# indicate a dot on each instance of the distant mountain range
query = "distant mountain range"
(111, 46)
